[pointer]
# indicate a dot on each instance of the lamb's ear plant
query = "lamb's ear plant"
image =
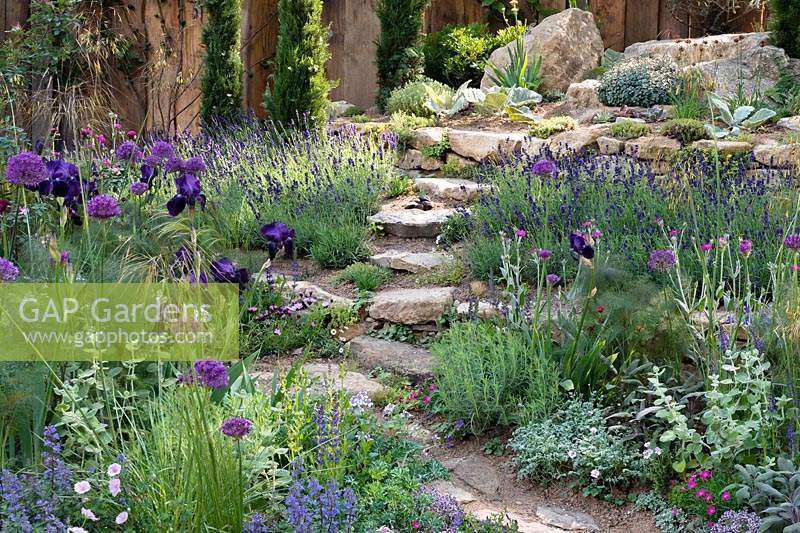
(522, 70)
(452, 104)
(743, 117)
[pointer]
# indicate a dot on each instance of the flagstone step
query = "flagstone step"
(451, 190)
(398, 357)
(411, 306)
(395, 219)
(414, 262)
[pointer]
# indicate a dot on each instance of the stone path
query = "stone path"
(395, 219)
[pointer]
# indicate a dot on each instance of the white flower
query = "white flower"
(657, 450)
(389, 409)
(360, 402)
(647, 453)
(333, 332)
(595, 473)
(572, 454)
(647, 444)
(121, 518)
(114, 469)
(76, 530)
(88, 514)
(82, 487)
(592, 430)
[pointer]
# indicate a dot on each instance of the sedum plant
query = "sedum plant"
(628, 129)
(521, 71)
(743, 117)
(641, 81)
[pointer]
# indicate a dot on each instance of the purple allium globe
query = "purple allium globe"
(8, 271)
(544, 167)
(26, 168)
(236, 427)
(662, 260)
(103, 206)
(544, 253)
(128, 151)
(792, 242)
(211, 373)
(138, 188)
(162, 150)
(552, 279)
(193, 165)
(746, 247)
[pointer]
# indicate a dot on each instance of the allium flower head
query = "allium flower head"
(662, 260)
(138, 188)
(162, 150)
(103, 206)
(128, 151)
(236, 427)
(544, 253)
(552, 279)
(26, 168)
(544, 167)
(521, 233)
(745, 247)
(792, 242)
(211, 373)
(8, 271)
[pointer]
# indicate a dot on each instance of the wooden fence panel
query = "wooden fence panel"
(610, 17)
(12, 12)
(259, 41)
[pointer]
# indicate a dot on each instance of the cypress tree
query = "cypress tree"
(399, 55)
(299, 82)
(221, 91)
(784, 23)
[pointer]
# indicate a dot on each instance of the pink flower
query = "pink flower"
(691, 483)
(520, 233)
(131, 134)
(413, 395)
(86, 132)
(706, 247)
(121, 518)
(725, 496)
(705, 474)
(674, 232)
(101, 140)
(433, 388)
(114, 486)
(114, 469)
(711, 510)
(700, 493)
(795, 268)
(82, 487)
(414, 524)
(426, 400)
(117, 126)
(596, 234)
(708, 498)
(88, 514)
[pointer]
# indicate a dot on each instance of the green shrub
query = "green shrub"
(411, 97)
(364, 276)
(686, 130)
(354, 111)
(640, 82)
(404, 125)
(575, 443)
(359, 119)
(399, 56)
(455, 229)
(221, 91)
(488, 375)
(547, 127)
(398, 186)
(438, 150)
(340, 245)
(783, 17)
(687, 98)
(628, 129)
(458, 53)
(299, 83)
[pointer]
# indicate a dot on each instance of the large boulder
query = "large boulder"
(687, 52)
(725, 62)
(569, 43)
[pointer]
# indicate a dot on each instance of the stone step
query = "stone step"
(411, 306)
(398, 357)
(306, 289)
(395, 219)
(451, 190)
(411, 261)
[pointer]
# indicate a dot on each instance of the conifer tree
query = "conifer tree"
(221, 91)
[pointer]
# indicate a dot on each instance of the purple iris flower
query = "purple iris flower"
(147, 172)
(224, 271)
(277, 235)
(189, 193)
(580, 247)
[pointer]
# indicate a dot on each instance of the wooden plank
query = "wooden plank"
(13, 12)
(127, 80)
(670, 27)
(360, 49)
(334, 14)
(610, 17)
(259, 40)
(641, 21)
